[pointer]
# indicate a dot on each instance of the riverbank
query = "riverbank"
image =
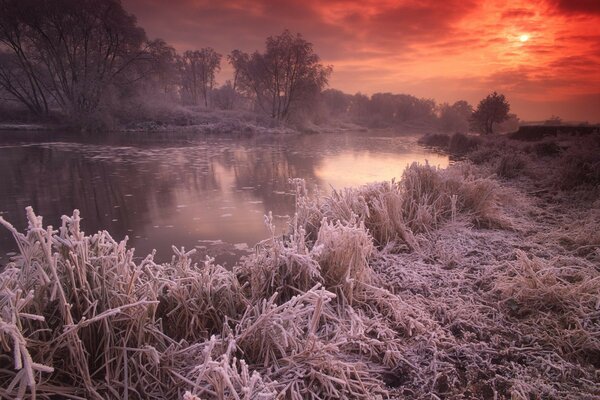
(476, 281)
(163, 118)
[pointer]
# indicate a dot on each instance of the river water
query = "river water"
(210, 192)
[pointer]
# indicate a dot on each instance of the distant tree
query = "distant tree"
(389, 109)
(67, 51)
(164, 69)
(491, 110)
(238, 60)
(199, 68)
(359, 106)
(554, 120)
(455, 117)
(283, 79)
(411, 108)
(510, 124)
(335, 102)
(225, 97)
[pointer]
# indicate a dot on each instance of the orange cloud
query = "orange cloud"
(456, 49)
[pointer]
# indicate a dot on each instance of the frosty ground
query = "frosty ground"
(478, 281)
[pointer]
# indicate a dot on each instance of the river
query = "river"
(210, 192)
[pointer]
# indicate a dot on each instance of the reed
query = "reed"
(386, 290)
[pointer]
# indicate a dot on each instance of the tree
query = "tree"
(493, 109)
(554, 120)
(455, 117)
(199, 70)
(69, 51)
(335, 102)
(164, 69)
(285, 78)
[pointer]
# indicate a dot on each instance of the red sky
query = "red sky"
(544, 55)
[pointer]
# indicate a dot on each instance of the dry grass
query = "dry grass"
(511, 165)
(81, 319)
(386, 290)
(558, 301)
(579, 166)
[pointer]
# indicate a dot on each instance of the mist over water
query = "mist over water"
(209, 193)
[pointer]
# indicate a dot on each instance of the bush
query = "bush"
(510, 165)
(435, 140)
(547, 149)
(483, 155)
(461, 144)
(538, 132)
(579, 166)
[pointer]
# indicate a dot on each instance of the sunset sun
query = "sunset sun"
(524, 38)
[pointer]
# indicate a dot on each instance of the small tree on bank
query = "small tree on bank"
(493, 109)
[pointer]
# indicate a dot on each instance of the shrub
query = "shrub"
(435, 140)
(511, 165)
(547, 149)
(461, 144)
(483, 155)
(579, 166)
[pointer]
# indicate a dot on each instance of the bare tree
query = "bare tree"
(199, 69)
(491, 110)
(20, 78)
(164, 72)
(284, 78)
(69, 51)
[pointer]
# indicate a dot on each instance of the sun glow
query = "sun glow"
(524, 38)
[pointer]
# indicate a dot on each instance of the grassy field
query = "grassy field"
(478, 281)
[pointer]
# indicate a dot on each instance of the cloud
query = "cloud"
(518, 13)
(585, 7)
(444, 50)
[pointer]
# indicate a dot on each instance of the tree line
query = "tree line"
(81, 57)
(492, 114)
(74, 55)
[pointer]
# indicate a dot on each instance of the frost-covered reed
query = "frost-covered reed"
(389, 289)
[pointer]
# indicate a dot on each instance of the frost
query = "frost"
(445, 284)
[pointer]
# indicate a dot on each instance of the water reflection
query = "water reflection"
(353, 168)
(209, 193)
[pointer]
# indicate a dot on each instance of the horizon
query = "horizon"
(543, 55)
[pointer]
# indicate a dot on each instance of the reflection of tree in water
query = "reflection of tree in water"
(268, 171)
(128, 185)
(55, 180)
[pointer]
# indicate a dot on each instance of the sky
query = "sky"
(544, 55)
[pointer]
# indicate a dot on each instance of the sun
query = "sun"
(524, 38)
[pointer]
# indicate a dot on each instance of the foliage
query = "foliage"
(511, 165)
(554, 120)
(198, 69)
(286, 77)
(580, 165)
(440, 140)
(455, 117)
(547, 148)
(381, 291)
(491, 110)
(461, 144)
